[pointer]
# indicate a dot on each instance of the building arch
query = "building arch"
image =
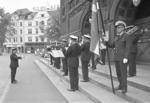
(84, 20)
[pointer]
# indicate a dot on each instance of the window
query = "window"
(42, 15)
(30, 39)
(20, 31)
(37, 31)
(36, 39)
(29, 31)
(14, 40)
(20, 23)
(42, 39)
(29, 23)
(36, 23)
(21, 39)
(42, 23)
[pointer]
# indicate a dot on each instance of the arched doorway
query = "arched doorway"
(86, 25)
(140, 16)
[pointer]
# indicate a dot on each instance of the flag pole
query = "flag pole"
(108, 56)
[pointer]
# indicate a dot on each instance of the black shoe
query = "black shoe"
(124, 91)
(14, 81)
(129, 75)
(71, 90)
(65, 74)
(118, 88)
(84, 80)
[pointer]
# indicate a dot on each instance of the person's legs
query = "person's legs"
(13, 74)
(118, 72)
(132, 64)
(85, 70)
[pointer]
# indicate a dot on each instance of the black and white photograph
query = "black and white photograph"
(74, 51)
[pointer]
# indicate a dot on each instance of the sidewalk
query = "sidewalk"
(33, 86)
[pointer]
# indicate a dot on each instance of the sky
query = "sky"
(12, 5)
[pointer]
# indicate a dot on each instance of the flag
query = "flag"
(96, 28)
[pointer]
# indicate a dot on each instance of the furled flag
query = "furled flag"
(96, 28)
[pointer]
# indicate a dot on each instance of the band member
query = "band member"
(14, 64)
(121, 51)
(72, 54)
(132, 42)
(64, 60)
(85, 57)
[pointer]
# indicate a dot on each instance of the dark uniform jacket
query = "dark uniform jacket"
(121, 47)
(85, 51)
(132, 42)
(64, 52)
(14, 61)
(72, 54)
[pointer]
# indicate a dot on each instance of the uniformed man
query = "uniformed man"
(85, 57)
(14, 64)
(121, 51)
(132, 42)
(72, 54)
(64, 60)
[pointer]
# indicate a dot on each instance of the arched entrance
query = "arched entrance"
(125, 10)
(86, 26)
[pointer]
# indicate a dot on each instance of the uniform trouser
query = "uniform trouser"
(132, 64)
(103, 55)
(85, 70)
(51, 59)
(13, 73)
(65, 67)
(121, 70)
(57, 63)
(93, 61)
(73, 75)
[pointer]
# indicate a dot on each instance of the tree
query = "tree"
(52, 31)
(5, 20)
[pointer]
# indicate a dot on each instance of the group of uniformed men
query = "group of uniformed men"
(125, 48)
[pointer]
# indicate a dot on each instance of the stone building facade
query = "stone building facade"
(75, 16)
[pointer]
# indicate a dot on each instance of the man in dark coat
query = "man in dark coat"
(132, 42)
(121, 51)
(72, 54)
(85, 57)
(14, 64)
(64, 60)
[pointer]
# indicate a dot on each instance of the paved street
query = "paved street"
(4, 72)
(33, 86)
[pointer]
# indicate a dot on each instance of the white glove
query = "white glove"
(125, 60)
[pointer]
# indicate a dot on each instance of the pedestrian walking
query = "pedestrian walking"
(85, 57)
(14, 64)
(73, 54)
(121, 51)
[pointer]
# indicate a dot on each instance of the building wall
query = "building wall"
(73, 19)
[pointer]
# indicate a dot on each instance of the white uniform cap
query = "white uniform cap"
(73, 37)
(120, 23)
(87, 36)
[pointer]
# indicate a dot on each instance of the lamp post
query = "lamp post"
(136, 2)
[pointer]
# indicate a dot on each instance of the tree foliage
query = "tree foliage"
(4, 25)
(52, 30)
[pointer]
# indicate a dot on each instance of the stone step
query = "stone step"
(61, 85)
(94, 92)
(141, 81)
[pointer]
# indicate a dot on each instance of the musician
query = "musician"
(72, 55)
(132, 42)
(85, 57)
(64, 60)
